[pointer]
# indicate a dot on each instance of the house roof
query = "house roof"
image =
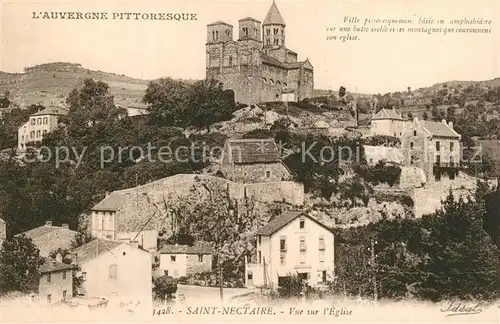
(387, 114)
(197, 248)
(253, 150)
(440, 129)
(138, 106)
(270, 60)
(273, 16)
(51, 265)
(282, 220)
(95, 248)
(43, 230)
(52, 110)
(114, 200)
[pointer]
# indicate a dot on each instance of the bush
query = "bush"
(164, 287)
(291, 286)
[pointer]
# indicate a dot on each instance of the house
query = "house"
(49, 238)
(253, 160)
(183, 260)
(115, 270)
(292, 243)
(137, 109)
(38, 125)
(433, 147)
(387, 122)
(56, 280)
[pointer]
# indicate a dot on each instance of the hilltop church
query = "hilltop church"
(258, 67)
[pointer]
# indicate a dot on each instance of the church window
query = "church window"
(213, 34)
(268, 41)
(230, 61)
(275, 31)
(264, 80)
(268, 31)
(276, 41)
(216, 34)
(245, 31)
(255, 31)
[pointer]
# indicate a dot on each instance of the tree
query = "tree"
(19, 263)
(164, 287)
(168, 99)
(425, 116)
(410, 115)
(342, 92)
(450, 114)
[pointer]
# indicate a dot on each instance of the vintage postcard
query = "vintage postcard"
(249, 161)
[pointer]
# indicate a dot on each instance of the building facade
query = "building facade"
(56, 281)
(40, 124)
(388, 122)
(49, 238)
(292, 243)
(432, 146)
(253, 160)
(182, 260)
(116, 271)
(258, 67)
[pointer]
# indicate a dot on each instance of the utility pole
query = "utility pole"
(374, 268)
(221, 284)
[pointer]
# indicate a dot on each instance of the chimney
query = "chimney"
(444, 121)
(65, 226)
(59, 257)
(107, 193)
(450, 124)
(48, 223)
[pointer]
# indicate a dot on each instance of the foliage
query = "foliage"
(19, 262)
(291, 286)
(164, 287)
(10, 123)
(382, 140)
(382, 172)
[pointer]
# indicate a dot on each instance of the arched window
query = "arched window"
(268, 31)
(230, 61)
(216, 34)
(245, 31)
(213, 34)
(278, 84)
(275, 31)
(264, 80)
(271, 81)
(268, 41)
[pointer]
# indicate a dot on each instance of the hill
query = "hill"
(50, 84)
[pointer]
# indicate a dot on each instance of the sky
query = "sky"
(376, 63)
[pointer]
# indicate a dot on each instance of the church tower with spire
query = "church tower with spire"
(258, 67)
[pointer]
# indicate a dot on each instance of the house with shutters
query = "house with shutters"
(55, 281)
(117, 271)
(49, 238)
(388, 122)
(183, 260)
(292, 243)
(253, 160)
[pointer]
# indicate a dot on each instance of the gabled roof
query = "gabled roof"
(43, 230)
(95, 248)
(51, 265)
(114, 200)
(253, 150)
(387, 114)
(273, 16)
(197, 248)
(282, 220)
(270, 60)
(440, 129)
(52, 110)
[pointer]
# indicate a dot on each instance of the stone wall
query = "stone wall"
(193, 265)
(412, 177)
(257, 172)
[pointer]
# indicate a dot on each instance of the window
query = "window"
(49, 278)
(412, 159)
(39, 121)
(282, 257)
(230, 61)
(44, 131)
(323, 276)
(38, 133)
(45, 120)
(452, 146)
(321, 243)
(438, 159)
(245, 31)
(32, 134)
(213, 35)
(64, 275)
(414, 133)
(33, 122)
(302, 244)
(260, 241)
(109, 237)
(283, 244)
(166, 273)
(321, 256)
(64, 294)
(268, 41)
(268, 31)
(22, 137)
(124, 253)
(260, 256)
(200, 257)
(411, 145)
(172, 258)
(49, 298)
(438, 146)
(250, 275)
(275, 31)
(302, 223)
(216, 34)
(302, 257)
(268, 174)
(113, 271)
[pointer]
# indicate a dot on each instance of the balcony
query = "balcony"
(446, 165)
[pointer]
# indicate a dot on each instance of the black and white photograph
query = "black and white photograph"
(193, 161)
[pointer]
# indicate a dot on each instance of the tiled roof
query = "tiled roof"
(42, 230)
(282, 220)
(270, 60)
(274, 16)
(439, 129)
(197, 248)
(51, 265)
(94, 248)
(52, 110)
(253, 150)
(114, 200)
(387, 114)
(249, 18)
(219, 22)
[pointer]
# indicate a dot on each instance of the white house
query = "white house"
(388, 122)
(116, 271)
(182, 260)
(292, 243)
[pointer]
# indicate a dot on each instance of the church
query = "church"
(258, 67)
